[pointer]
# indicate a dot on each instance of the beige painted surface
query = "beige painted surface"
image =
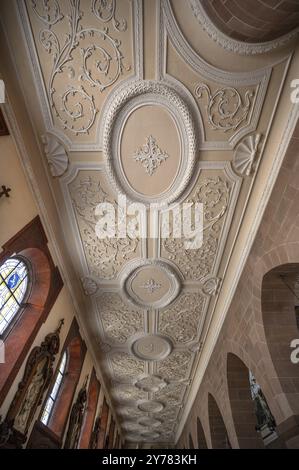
(67, 204)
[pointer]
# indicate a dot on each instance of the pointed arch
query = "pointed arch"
(191, 445)
(242, 404)
(219, 436)
(201, 439)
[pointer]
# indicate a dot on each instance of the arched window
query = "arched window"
(14, 287)
(54, 392)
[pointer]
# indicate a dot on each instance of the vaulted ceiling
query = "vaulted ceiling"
(135, 98)
(253, 21)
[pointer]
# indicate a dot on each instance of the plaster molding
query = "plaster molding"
(245, 155)
(121, 103)
(211, 286)
(150, 406)
(56, 155)
(259, 78)
(208, 350)
(89, 285)
(232, 45)
(151, 347)
(135, 267)
(49, 40)
(26, 165)
(206, 70)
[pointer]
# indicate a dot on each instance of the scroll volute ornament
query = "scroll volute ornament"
(31, 389)
(76, 419)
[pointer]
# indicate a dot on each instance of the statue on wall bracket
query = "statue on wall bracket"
(36, 379)
(76, 419)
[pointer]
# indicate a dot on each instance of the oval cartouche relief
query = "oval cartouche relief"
(150, 283)
(150, 151)
(151, 347)
(149, 142)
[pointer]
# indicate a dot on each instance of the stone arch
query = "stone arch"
(242, 405)
(201, 439)
(29, 243)
(219, 436)
(267, 21)
(191, 445)
(279, 298)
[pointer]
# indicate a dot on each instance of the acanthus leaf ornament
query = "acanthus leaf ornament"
(226, 110)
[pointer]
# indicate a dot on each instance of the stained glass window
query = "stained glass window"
(13, 289)
(55, 389)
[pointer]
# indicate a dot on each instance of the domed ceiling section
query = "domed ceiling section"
(128, 107)
(251, 21)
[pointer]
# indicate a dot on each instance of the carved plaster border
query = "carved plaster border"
(37, 75)
(160, 94)
(170, 30)
(133, 268)
(232, 45)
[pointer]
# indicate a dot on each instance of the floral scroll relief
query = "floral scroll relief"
(104, 256)
(48, 11)
(119, 322)
(172, 394)
(175, 366)
(125, 393)
(150, 383)
(125, 367)
(182, 320)
(226, 109)
(214, 194)
(104, 10)
(95, 66)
